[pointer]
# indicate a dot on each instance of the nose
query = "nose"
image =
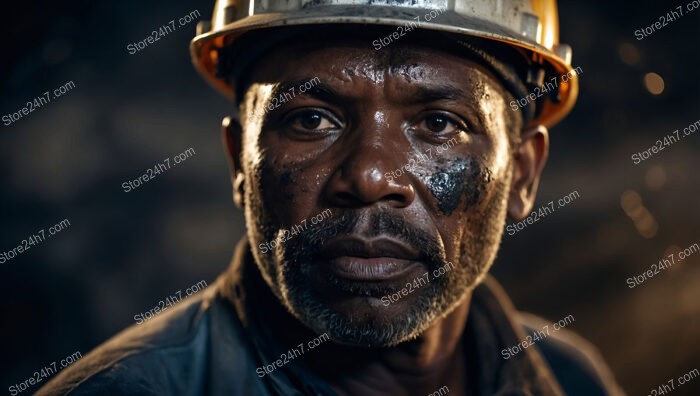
(370, 174)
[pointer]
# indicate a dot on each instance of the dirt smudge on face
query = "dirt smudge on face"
(459, 179)
(279, 182)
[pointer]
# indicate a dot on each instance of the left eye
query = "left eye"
(311, 121)
(440, 123)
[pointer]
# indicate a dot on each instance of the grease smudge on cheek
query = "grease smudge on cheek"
(456, 180)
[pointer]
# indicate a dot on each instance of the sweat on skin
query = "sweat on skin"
(330, 148)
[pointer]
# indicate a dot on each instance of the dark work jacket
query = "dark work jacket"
(212, 343)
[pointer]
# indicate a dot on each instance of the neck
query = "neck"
(434, 360)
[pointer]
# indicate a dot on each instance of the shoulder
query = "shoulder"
(167, 354)
(576, 363)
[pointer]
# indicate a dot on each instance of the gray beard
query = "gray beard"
(291, 283)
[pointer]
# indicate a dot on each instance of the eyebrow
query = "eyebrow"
(320, 90)
(433, 93)
(418, 94)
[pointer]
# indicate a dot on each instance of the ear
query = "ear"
(528, 161)
(231, 135)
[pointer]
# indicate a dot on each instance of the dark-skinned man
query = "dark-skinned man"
(376, 152)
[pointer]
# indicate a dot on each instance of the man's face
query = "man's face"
(375, 200)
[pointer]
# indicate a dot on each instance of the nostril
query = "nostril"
(396, 198)
(346, 198)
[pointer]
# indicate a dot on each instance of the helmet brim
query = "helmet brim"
(204, 48)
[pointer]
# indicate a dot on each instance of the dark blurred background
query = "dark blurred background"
(124, 252)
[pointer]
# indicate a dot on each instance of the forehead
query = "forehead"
(340, 60)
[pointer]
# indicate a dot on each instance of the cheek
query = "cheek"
(459, 180)
(288, 192)
(495, 112)
(277, 188)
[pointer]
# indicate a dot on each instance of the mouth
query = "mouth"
(376, 260)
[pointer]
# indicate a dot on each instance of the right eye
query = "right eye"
(311, 122)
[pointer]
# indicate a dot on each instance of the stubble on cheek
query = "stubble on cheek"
(470, 187)
(270, 196)
(484, 229)
(258, 220)
(262, 184)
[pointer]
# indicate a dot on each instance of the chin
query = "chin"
(373, 324)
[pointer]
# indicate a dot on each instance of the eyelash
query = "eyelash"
(295, 115)
(458, 122)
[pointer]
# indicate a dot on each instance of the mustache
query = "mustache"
(383, 222)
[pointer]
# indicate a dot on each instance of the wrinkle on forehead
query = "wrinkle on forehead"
(377, 72)
(387, 62)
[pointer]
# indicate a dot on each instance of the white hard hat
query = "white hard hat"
(532, 26)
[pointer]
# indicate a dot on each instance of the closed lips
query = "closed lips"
(368, 260)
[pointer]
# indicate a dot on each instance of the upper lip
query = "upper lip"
(372, 248)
